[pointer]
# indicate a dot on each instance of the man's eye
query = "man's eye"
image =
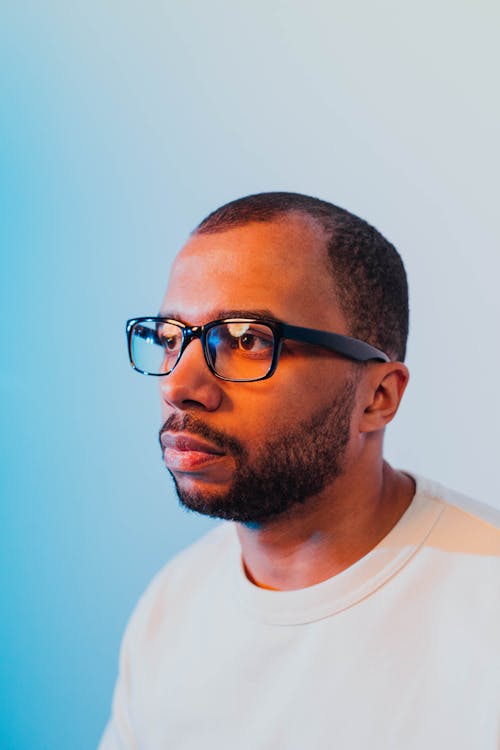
(170, 342)
(251, 342)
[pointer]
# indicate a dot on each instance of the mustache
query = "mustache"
(195, 426)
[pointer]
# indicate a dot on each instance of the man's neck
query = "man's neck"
(321, 538)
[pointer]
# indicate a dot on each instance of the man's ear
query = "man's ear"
(385, 386)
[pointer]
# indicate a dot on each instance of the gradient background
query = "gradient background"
(122, 124)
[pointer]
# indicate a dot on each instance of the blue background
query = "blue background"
(122, 124)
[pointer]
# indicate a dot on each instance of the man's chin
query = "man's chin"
(209, 504)
(231, 506)
(202, 496)
(213, 501)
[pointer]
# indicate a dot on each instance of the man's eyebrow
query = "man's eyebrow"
(220, 314)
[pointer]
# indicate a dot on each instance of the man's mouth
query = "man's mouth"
(183, 452)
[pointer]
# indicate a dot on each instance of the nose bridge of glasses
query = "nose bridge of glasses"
(190, 333)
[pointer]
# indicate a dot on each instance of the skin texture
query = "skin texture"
(281, 267)
(287, 470)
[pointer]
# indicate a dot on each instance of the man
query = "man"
(346, 605)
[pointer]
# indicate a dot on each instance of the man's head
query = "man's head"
(252, 451)
(370, 279)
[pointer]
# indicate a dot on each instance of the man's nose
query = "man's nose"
(191, 383)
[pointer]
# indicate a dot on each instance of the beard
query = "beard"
(286, 471)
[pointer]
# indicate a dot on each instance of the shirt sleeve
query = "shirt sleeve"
(119, 733)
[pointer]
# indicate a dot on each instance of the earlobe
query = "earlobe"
(385, 391)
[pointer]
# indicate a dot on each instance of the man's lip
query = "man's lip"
(182, 442)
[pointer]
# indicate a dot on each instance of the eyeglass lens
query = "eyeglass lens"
(237, 350)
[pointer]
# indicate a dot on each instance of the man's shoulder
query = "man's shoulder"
(202, 558)
(472, 524)
(201, 566)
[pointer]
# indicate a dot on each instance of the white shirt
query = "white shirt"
(400, 651)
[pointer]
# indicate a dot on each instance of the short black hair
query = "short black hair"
(368, 272)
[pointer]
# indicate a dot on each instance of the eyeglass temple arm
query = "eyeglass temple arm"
(345, 345)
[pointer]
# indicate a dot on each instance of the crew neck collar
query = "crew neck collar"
(356, 582)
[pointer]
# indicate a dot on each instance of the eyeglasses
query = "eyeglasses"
(240, 349)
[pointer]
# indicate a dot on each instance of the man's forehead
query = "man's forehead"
(279, 266)
(294, 239)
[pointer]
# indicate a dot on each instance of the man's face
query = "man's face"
(252, 451)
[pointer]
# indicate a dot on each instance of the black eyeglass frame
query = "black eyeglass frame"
(349, 347)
